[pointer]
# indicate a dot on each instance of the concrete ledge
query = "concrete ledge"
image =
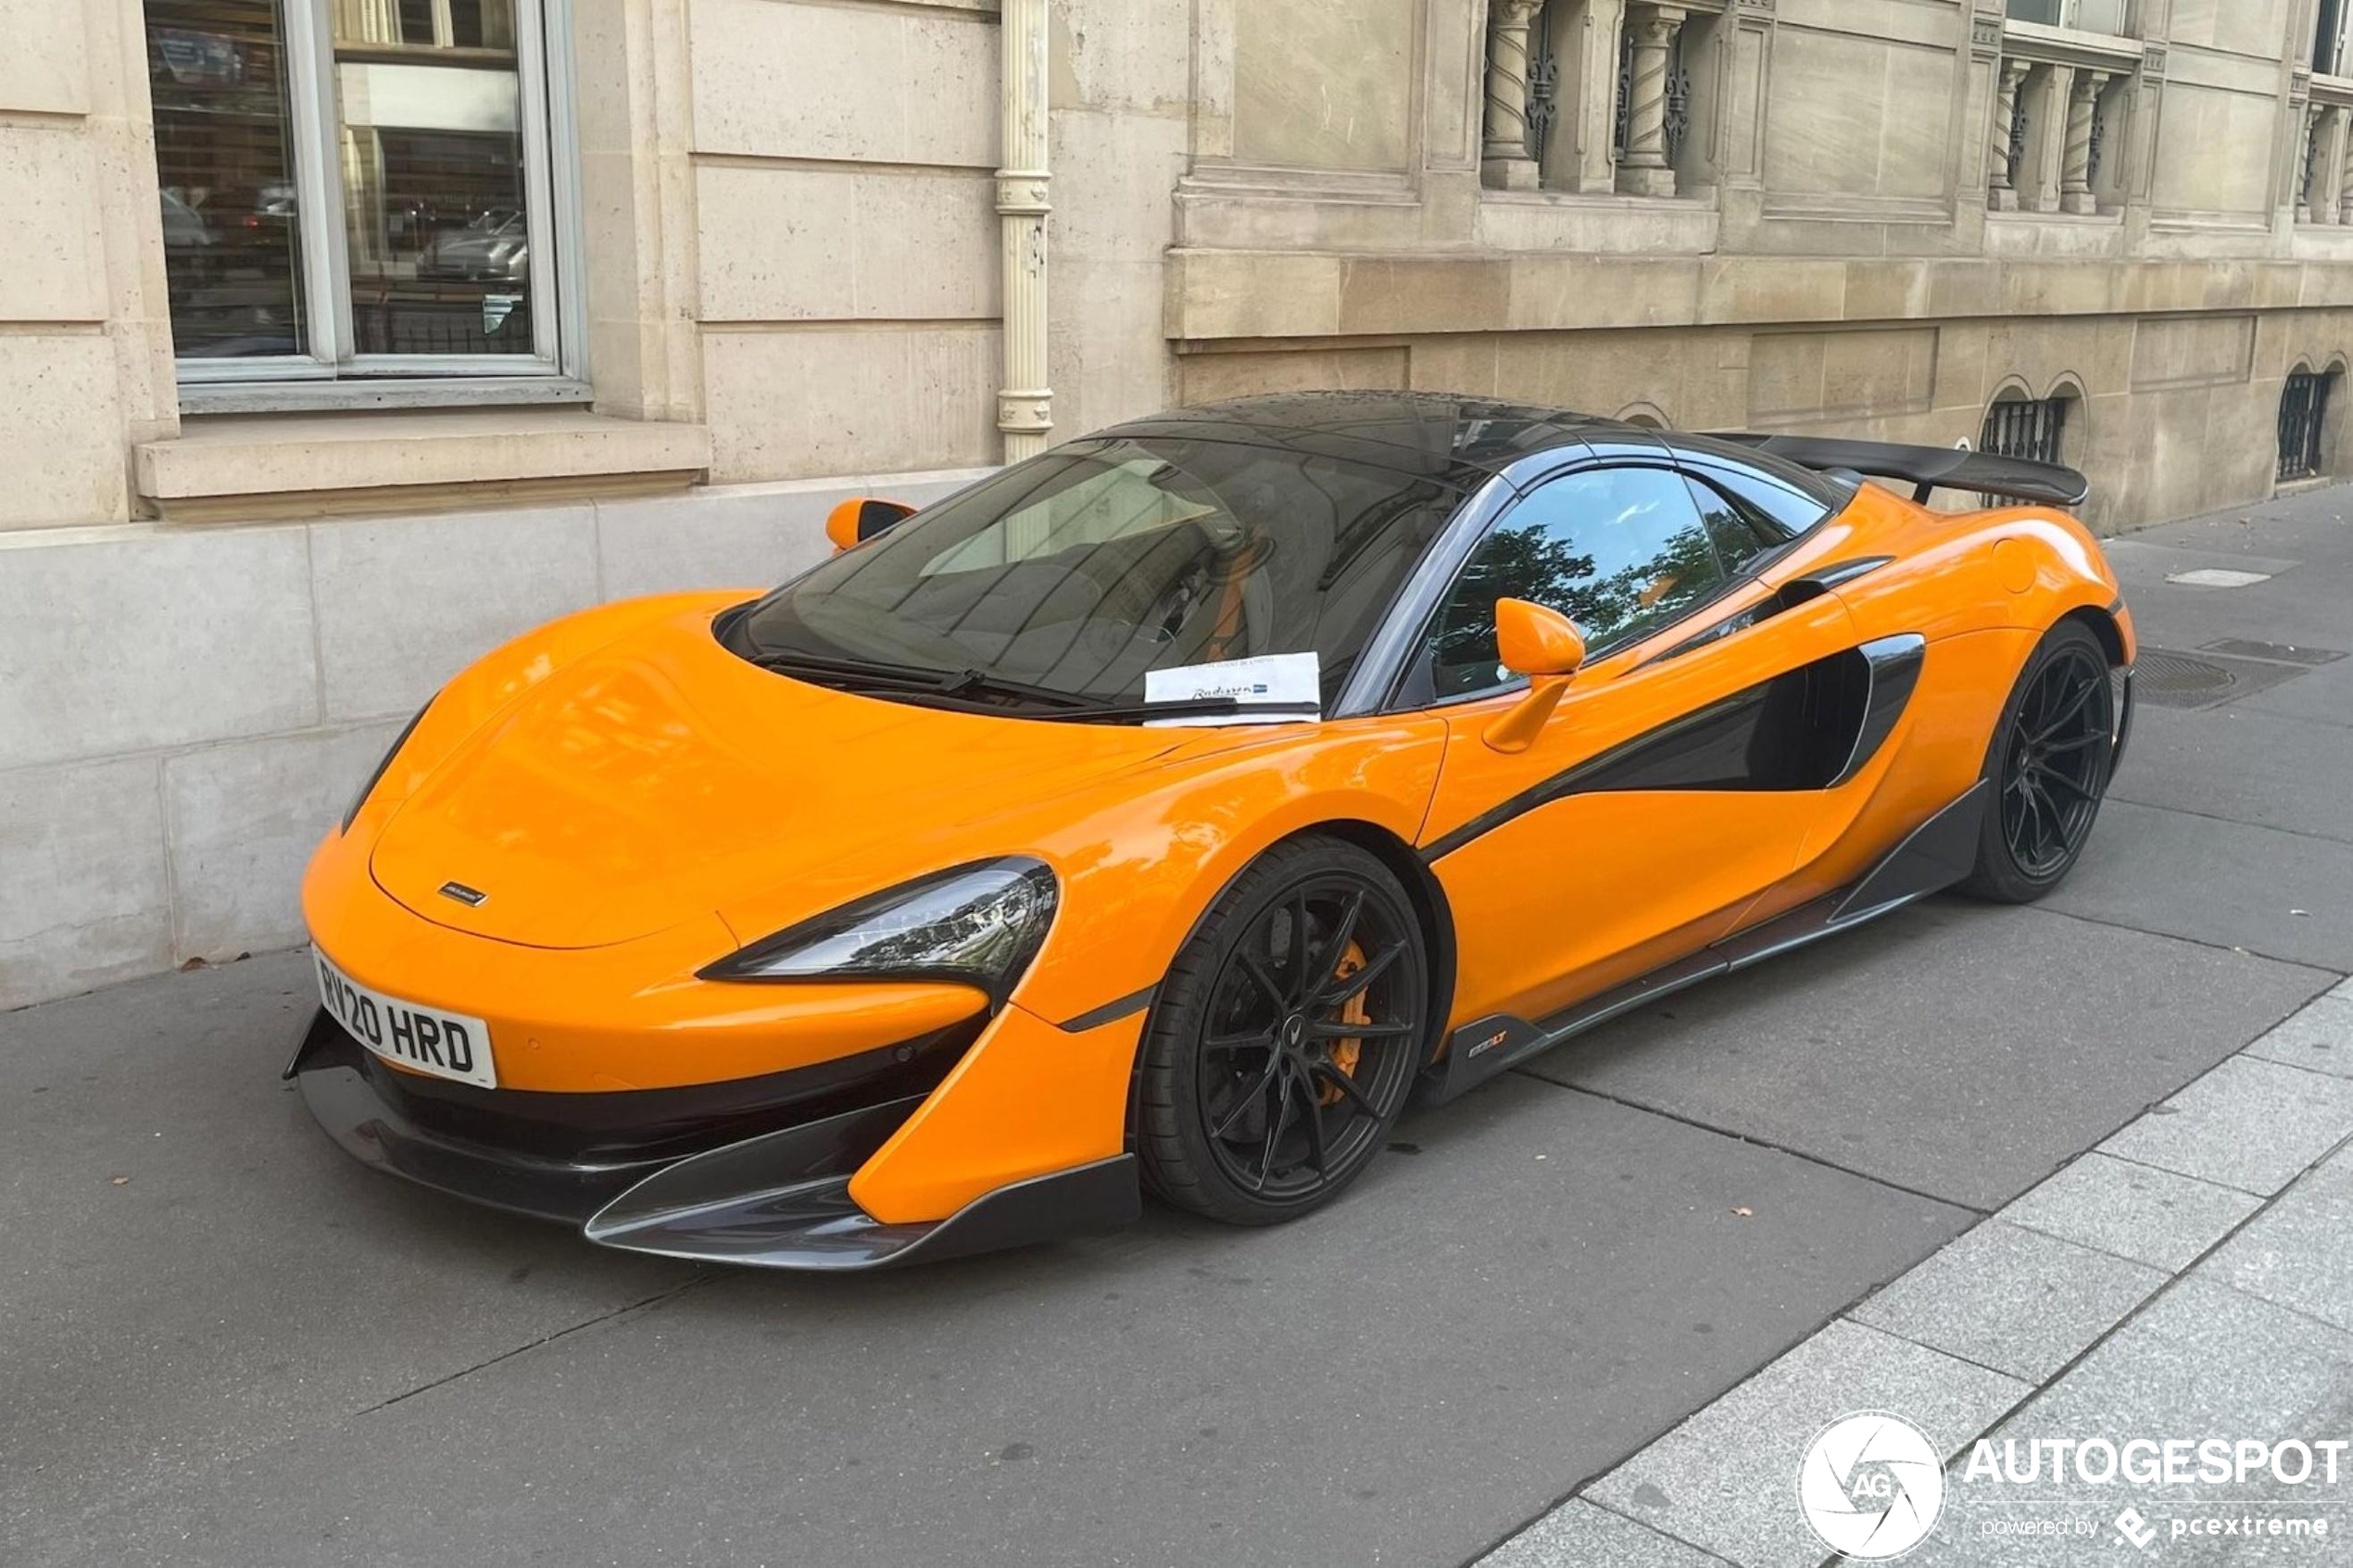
(1554, 222)
(264, 467)
(1216, 295)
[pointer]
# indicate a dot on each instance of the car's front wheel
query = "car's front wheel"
(1286, 1039)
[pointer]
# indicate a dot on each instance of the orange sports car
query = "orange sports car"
(1165, 812)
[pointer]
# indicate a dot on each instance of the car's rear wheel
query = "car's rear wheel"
(1286, 1039)
(2049, 764)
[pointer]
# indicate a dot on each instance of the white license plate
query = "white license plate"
(447, 1045)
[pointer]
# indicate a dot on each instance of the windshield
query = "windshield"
(1080, 569)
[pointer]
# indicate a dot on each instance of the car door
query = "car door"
(1680, 771)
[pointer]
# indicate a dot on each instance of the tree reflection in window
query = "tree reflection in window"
(1620, 551)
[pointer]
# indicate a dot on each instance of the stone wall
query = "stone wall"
(1793, 214)
(2175, 407)
(85, 354)
(186, 713)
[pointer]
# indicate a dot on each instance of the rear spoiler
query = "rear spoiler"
(1929, 469)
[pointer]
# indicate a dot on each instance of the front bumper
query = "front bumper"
(755, 1172)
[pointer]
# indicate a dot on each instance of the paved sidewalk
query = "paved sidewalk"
(2189, 1280)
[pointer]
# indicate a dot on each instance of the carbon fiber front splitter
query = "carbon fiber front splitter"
(778, 1199)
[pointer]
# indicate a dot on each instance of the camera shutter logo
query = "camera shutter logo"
(1871, 1485)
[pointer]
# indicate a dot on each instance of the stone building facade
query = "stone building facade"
(341, 339)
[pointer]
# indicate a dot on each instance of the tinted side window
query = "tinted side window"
(1738, 537)
(1827, 492)
(1782, 508)
(1620, 551)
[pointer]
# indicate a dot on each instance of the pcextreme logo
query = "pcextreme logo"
(1871, 1485)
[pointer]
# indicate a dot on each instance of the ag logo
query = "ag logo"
(1871, 1485)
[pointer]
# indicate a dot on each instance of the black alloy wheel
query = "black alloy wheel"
(2049, 765)
(1287, 1039)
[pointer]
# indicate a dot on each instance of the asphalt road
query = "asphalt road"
(221, 1342)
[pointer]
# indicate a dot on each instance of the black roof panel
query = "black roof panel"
(1447, 437)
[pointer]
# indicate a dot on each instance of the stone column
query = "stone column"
(1025, 403)
(2002, 197)
(2144, 96)
(2304, 172)
(1644, 171)
(2328, 170)
(2345, 173)
(1504, 160)
(1578, 156)
(2083, 107)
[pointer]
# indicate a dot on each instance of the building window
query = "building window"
(2022, 427)
(2328, 38)
(359, 190)
(2303, 415)
(2083, 16)
(2034, 427)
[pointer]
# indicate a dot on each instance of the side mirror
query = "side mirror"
(863, 517)
(1544, 646)
(1535, 640)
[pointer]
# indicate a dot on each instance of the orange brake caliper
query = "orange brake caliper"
(1345, 1052)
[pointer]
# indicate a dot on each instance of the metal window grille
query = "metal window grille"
(1624, 92)
(2026, 428)
(2031, 428)
(2303, 415)
(1679, 98)
(2021, 120)
(1543, 85)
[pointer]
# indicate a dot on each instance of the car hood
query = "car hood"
(661, 777)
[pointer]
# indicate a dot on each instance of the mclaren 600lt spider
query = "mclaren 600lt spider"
(1165, 812)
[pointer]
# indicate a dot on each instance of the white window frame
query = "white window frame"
(2070, 17)
(332, 375)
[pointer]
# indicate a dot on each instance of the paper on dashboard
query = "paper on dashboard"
(1276, 688)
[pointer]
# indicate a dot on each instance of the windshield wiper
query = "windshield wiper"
(916, 678)
(962, 690)
(1192, 708)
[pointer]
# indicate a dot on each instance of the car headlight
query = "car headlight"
(978, 924)
(376, 777)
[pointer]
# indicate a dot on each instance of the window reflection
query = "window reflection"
(431, 107)
(1620, 551)
(216, 70)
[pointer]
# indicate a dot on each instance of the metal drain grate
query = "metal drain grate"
(2168, 679)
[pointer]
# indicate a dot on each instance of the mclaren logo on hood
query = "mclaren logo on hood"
(473, 898)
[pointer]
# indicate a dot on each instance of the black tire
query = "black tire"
(1250, 1020)
(2048, 763)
